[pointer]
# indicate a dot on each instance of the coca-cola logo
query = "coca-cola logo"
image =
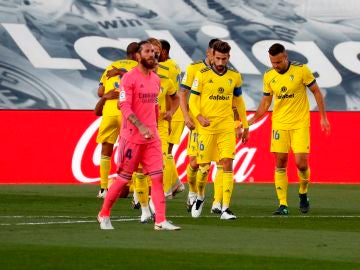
(243, 164)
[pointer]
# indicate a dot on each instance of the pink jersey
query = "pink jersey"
(138, 95)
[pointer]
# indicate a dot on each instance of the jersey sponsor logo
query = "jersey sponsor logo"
(285, 96)
(122, 95)
(219, 97)
(148, 97)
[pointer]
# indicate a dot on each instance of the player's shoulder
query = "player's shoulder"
(205, 69)
(269, 70)
(198, 62)
(233, 70)
(296, 64)
(163, 65)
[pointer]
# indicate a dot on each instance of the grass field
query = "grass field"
(54, 227)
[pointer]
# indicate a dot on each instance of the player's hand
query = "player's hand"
(145, 131)
(325, 125)
(167, 116)
(115, 72)
(190, 123)
(245, 136)
(112, 94)
(203, 120)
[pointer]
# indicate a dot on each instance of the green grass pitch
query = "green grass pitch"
(54, 227)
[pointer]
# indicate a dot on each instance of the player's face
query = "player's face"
(220, 61)
(279, 62)
(147, 56)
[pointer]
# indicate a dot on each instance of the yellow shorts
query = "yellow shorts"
(215, 147)
(298, 140)
(109, 129)
(177, 128)
(164, 135)
(192, 143)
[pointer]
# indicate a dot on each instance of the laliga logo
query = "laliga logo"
(242, 170)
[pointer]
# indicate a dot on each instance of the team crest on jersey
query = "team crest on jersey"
(195, 83)
(122, 95)
(292, 77)
(220, 90)
(283, 89)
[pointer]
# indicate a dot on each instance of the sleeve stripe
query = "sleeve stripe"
(310, 84)
(266, 94)
(194, 92)
(237, 91)
(185, 86)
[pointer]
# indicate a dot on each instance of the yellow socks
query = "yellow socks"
(218, 185)
(105, 166)
(142, 188)
(228, 186)
(281, 185)
(167, 177)
(201, 179)
(304, 177)
(191, 177)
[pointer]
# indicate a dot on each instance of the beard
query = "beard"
(148, 63)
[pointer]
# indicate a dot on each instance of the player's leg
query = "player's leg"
(130, 153)
(218, 190)
(280, 145)
(207, 151)
(301, 147)
(226, 146)
(192, 168)
(152, 161)
(107, 136)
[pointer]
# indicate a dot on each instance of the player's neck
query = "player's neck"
(144, 70)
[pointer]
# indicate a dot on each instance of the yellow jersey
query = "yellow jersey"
(291, 105)
(216, 94)
(166, 88)
(170, 69)
(110, 107)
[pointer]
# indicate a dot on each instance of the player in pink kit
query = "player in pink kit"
(139, 140)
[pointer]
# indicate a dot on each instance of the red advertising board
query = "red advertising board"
(44, 147)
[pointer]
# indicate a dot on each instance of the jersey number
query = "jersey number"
(275, 135)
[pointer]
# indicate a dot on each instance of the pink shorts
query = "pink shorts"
(149, 155)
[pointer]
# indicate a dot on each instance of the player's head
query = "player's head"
(221, 55)
(145, 54)
(131, 50)
(165, 50)
(278, 58)
(157, 46)
(209, 50)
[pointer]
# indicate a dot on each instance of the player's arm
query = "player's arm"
(183, 95)
(239, 103)
(114, 71)
(194, 104)
(262, 109)
(172, 104)
(112, 94)
(325, 125)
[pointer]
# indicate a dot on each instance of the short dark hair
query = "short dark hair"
(165, 45)
(276, 48)
(139, 47)
(131, 48)
(221, 46)
(212, 41)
